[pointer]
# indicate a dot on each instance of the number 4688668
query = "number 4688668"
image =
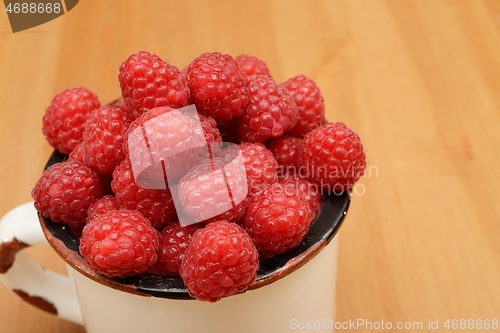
(462, 324)
(33, 8)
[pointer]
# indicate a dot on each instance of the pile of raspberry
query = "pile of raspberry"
(292, 158)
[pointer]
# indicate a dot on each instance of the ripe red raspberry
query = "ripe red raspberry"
(270, 111)
(310, 104)
(119, 243)
(175, 137)
(211, 132)
(121, 104)
(215, 189)
(310, 191)
(103, 205)
(77, 153)
(147, 82)
(277, 219)
(260, 164)
(64, 119)
(99, 207)
(332, 157)
(155, 205)
(220, 261)
(65, 191)
(103, 138)
(174, 241)
(252, 65)
(217, 85)
(234, 214)
(158, 268)
(285, 150)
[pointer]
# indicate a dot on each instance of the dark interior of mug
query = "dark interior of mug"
(327, 223)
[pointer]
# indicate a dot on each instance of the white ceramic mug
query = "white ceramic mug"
(279, 304)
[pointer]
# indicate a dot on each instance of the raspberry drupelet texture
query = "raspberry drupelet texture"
(270, 111)
(158, 268)
(277, 219)
(211, 133)
(252, 65)
(174, 240)
(103, 138)
(285, 150)
(65, 118)
(220, 261)
(65, 191)
(120, 103)
(310, 104)
(215, 189)
(260, 165)
(103, 205)
(217, 85)
(332, 156)
(77, 153)
(168, 142)
(156, 205)
(119, 243)
(147, 82)
(210, 129)
(309, 190)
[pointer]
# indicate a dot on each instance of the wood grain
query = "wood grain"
(418, 80)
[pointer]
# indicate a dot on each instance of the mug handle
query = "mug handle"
(45, 289)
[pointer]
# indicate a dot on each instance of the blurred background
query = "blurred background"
(418, 80)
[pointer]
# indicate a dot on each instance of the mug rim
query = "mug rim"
(326, 225)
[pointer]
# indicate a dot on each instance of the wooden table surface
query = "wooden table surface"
(418, 80)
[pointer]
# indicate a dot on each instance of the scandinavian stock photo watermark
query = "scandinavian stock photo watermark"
(170, 151)
(354, 188)
(363, 324)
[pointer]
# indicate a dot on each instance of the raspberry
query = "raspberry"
(65, 191)
(309, 190)
(332, 157)
(174, 241)
(120, 103)
(65, 118)
(217, 85)
(286, 152)
(119, 243)
(211, 132)
(260, 165)
(169, 133)
(215, 189)
(158, 268)
(234, 214)
(77, 153)
(310, 104)
(99, 207)
(252, 65)
(155, 205)
(103, 205)
(277, 219)
(220, 261)
(147, 82)
(103, 137)
(270, 111)
(76, 229)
